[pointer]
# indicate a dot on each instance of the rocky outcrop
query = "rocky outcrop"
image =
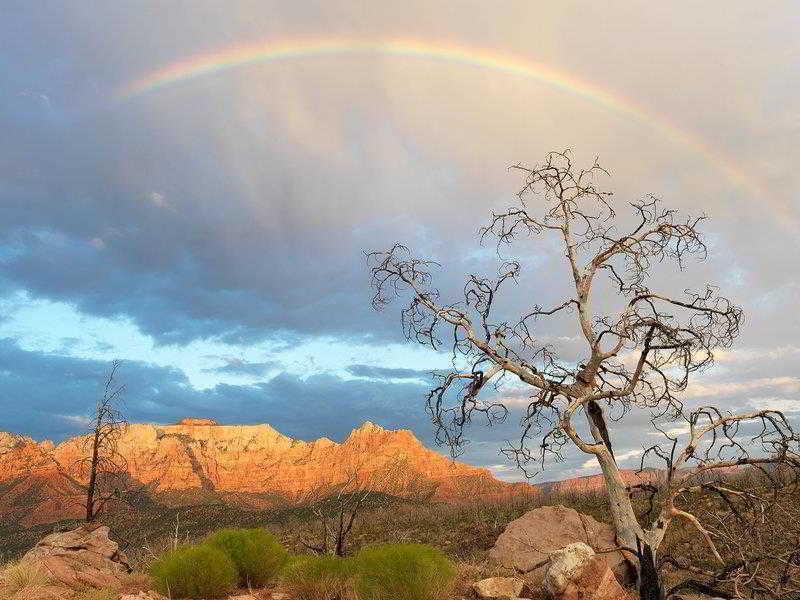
(575, 572)
(527, 543)
(12, 441)
(230, 460)
(83, 557)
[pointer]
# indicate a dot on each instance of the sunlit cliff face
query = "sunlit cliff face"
(253, 465)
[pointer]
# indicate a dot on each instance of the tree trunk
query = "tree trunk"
(90, 514)
(629, 533)
(339, 551)
(649, 583)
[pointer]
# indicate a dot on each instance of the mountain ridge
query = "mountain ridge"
(200, 455)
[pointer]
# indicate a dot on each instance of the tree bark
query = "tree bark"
(90, 514)
(630, 534)
(649, 582)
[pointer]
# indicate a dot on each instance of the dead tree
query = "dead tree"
(335, 505)
(101, 465)
(637, 356)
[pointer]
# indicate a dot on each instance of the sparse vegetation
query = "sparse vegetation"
(193, 571)
(464, 533)
(24, 581)
(384, 572)
(16, 576)
(333, 508)
(257, 554)
(93, 594)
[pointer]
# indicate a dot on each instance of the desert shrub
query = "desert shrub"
(403, 572)
(194, 571)
(257, 554)
(319, 578)
(18, 576)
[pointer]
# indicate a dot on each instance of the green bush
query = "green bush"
(194, 571)
(256, 554)
(388, 572)
(403, 572)
(319, 578)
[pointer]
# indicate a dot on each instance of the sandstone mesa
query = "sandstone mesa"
(231, 460)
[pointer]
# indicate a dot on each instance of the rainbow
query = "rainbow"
(270, 51)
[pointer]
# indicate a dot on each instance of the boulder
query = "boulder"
(527, 542)
(576, 573)
(83, 557)
(495, 588)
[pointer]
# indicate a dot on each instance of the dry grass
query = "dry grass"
(133, 583)
(465, 532)
(321, 589)
(25, 581)
(93, 594)
(39, 593)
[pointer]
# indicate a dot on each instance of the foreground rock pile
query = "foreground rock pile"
(576, 573)
(528, 542)
(498, 587)
(84, 557)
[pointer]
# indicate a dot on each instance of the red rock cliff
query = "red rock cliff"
(200, 454)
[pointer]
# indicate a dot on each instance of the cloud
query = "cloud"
(784, 405)
(80, 420)
(234, 366)
(304, 408)
(252, 243)
(671, 431)
(710, 390)
(160, 200)
(740, 355)
(372, 372)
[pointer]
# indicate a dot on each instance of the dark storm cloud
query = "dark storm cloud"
(45, 395)
(121, 213)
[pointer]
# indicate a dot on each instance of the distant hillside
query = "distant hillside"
(198, 461)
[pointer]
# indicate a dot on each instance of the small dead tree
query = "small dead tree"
(102, 466)
(638, 356)
(335, 506)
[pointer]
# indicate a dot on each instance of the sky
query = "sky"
(189, 187)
